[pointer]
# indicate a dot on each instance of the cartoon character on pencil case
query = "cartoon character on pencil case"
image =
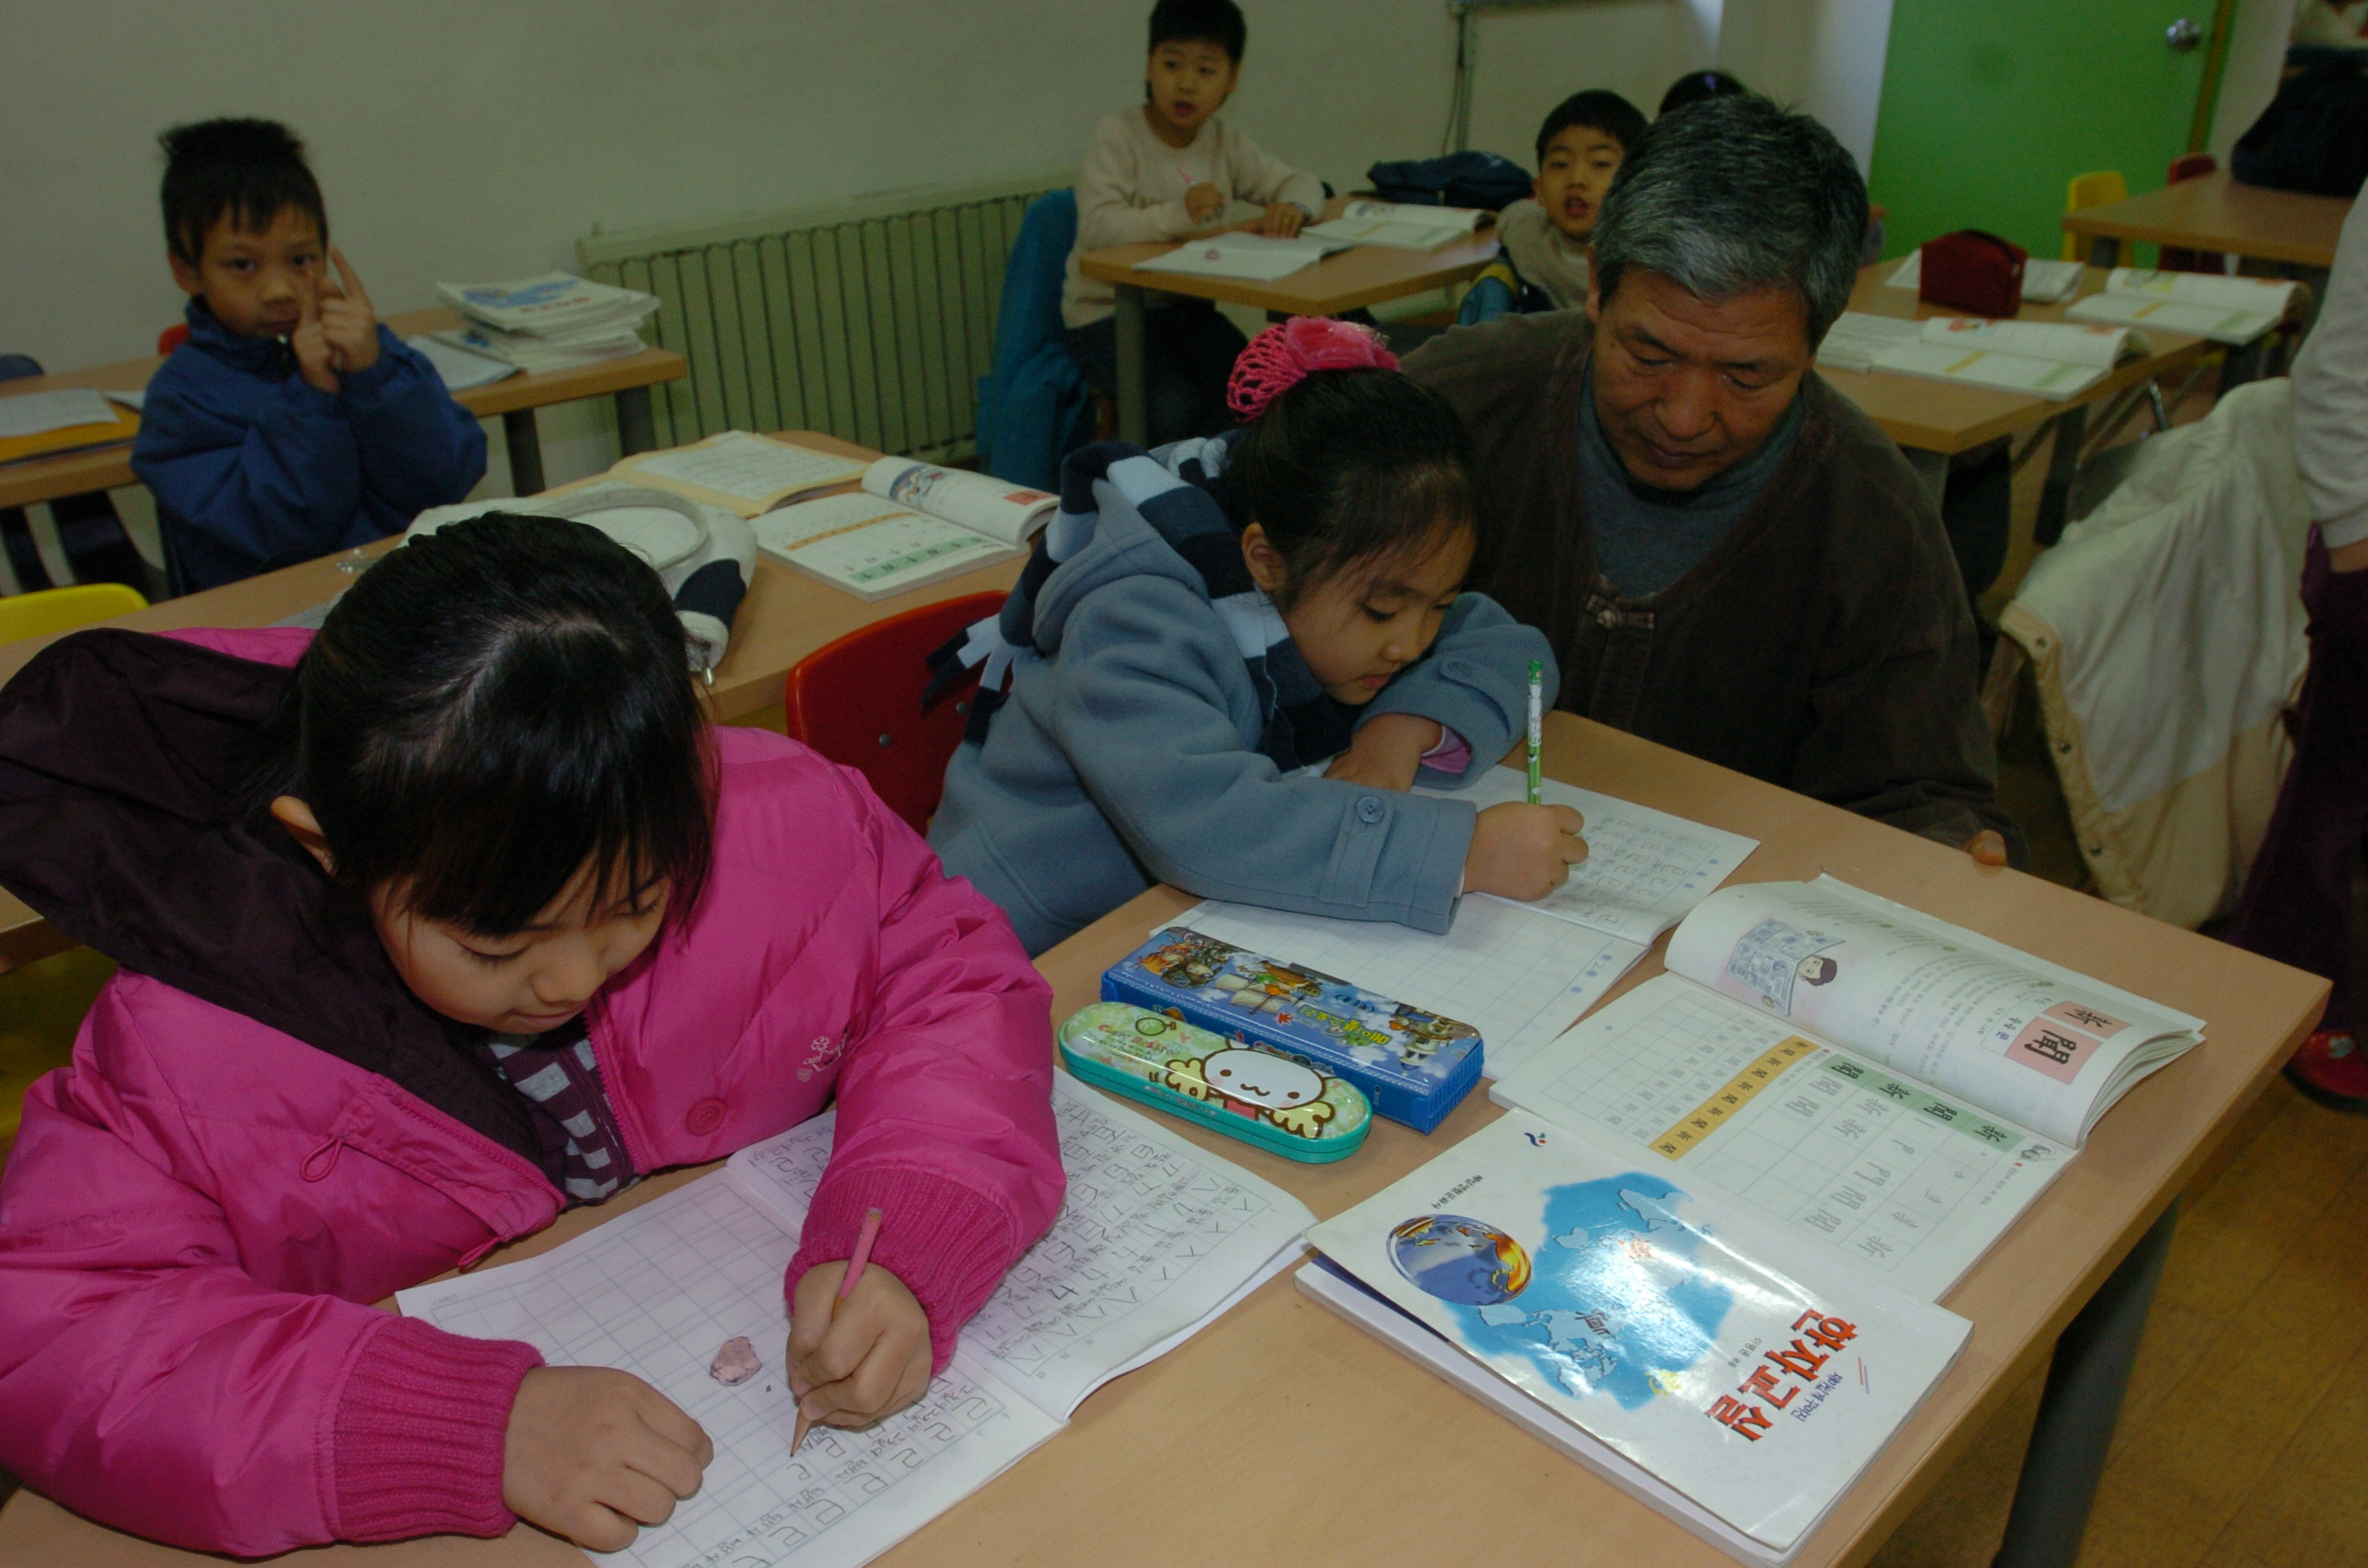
(1190, 962)
(1260, 985)
(1258, 1084)
(1422, 1036)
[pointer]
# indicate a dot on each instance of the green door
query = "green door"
(1989, 107)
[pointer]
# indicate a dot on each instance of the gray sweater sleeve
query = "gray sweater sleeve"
(1474, 681)
(1149, 701)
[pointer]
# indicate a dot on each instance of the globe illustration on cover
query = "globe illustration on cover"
(1460, 1260)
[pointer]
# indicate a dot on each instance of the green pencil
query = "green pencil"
(1537, 724)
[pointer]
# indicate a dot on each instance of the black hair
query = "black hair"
(1200, 21)
(248, 169)
(1351, 466)
(488, 710)
(1599, 109)
(1695, 85)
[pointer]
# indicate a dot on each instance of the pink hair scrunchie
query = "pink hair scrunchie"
(1280, 358)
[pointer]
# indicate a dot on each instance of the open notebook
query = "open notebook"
(1400, 225)
(2046, 358)
(1886, 1089)
(1519, 973)
(1155, 1240)
(911, 523)
(1660, 1338)
(2224, 310)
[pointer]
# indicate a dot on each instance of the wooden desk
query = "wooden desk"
(786, 616)
(1283, 1435)
(628, 378)
(1360, 275)
(1932, 421)
(2217, 214)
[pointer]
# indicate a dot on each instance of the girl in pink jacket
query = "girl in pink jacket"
(464, 918)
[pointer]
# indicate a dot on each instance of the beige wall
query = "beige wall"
(470, 140)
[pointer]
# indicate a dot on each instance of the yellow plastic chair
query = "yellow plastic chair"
(49, 610)
(2090, 190)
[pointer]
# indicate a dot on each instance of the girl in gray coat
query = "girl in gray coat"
(1200, 624)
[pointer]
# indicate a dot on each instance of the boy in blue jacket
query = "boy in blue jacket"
(290, 423)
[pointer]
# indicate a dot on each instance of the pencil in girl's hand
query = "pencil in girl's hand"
(856, 1263)
(1537, 724)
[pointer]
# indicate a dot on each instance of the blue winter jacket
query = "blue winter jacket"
(253, 468)
(1127, 756)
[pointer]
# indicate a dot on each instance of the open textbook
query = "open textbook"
(2047, 282)
(1519, 973)
(912, 524)
(2046, 358)
(739, 472)
(2224, 310)
(1237, 254)
(1886, 1089)
(1400, 225)
(1155, 1240)
(1616, 1309)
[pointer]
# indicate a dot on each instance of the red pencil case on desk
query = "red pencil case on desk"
(1975, 272)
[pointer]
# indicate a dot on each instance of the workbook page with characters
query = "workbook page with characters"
(2001, 1029)
(1710, 1367)
(1155, 1239)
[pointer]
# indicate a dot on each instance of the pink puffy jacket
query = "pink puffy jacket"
(199, 1209)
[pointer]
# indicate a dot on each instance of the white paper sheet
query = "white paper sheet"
(1155, 1239)
(1517, 976)
(1236, 255)
(36, 413)
(657, 1293)
(1645, 869)
(458, 368)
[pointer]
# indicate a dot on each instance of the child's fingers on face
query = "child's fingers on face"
(348, 279)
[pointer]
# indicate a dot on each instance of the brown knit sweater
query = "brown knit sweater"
(1824, 645)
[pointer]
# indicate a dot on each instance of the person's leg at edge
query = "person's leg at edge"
(2297, 901)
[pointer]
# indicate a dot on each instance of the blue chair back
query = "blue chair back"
(1034, 406)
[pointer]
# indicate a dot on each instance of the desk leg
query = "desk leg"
(2104, 252)
(1932, 471)
(1134, 371)
(2063, 469)
(636, 425)
(526, 452)
(2243, 364)
(2084, 1384)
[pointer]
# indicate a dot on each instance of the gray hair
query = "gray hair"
(1734, 194)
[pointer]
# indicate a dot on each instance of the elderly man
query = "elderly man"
(1729, 556)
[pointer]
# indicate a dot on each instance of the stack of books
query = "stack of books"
(550, 322)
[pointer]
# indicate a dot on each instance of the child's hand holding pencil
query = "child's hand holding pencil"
(858, 1342)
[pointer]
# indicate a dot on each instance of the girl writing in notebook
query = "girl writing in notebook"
(454, 919)
(1202, 624)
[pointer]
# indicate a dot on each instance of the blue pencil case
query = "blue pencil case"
(1284, 1105)
(1414, 1067)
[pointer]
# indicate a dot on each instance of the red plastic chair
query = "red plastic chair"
(2177, 257)
(172, 337)
(857, 701)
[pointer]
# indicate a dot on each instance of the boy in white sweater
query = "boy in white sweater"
(2297, 903)
(1161, 172)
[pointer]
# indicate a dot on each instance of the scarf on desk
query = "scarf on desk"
(1546, 258)
(1177, 490)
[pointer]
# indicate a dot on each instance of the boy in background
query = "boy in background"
(291, 423)
(1543, 263)
(1161, 172)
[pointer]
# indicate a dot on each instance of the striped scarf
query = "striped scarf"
(1179, 492)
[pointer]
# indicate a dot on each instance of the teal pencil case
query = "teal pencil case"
(1283, 1104)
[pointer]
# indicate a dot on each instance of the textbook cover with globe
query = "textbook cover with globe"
(1684, 1354)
